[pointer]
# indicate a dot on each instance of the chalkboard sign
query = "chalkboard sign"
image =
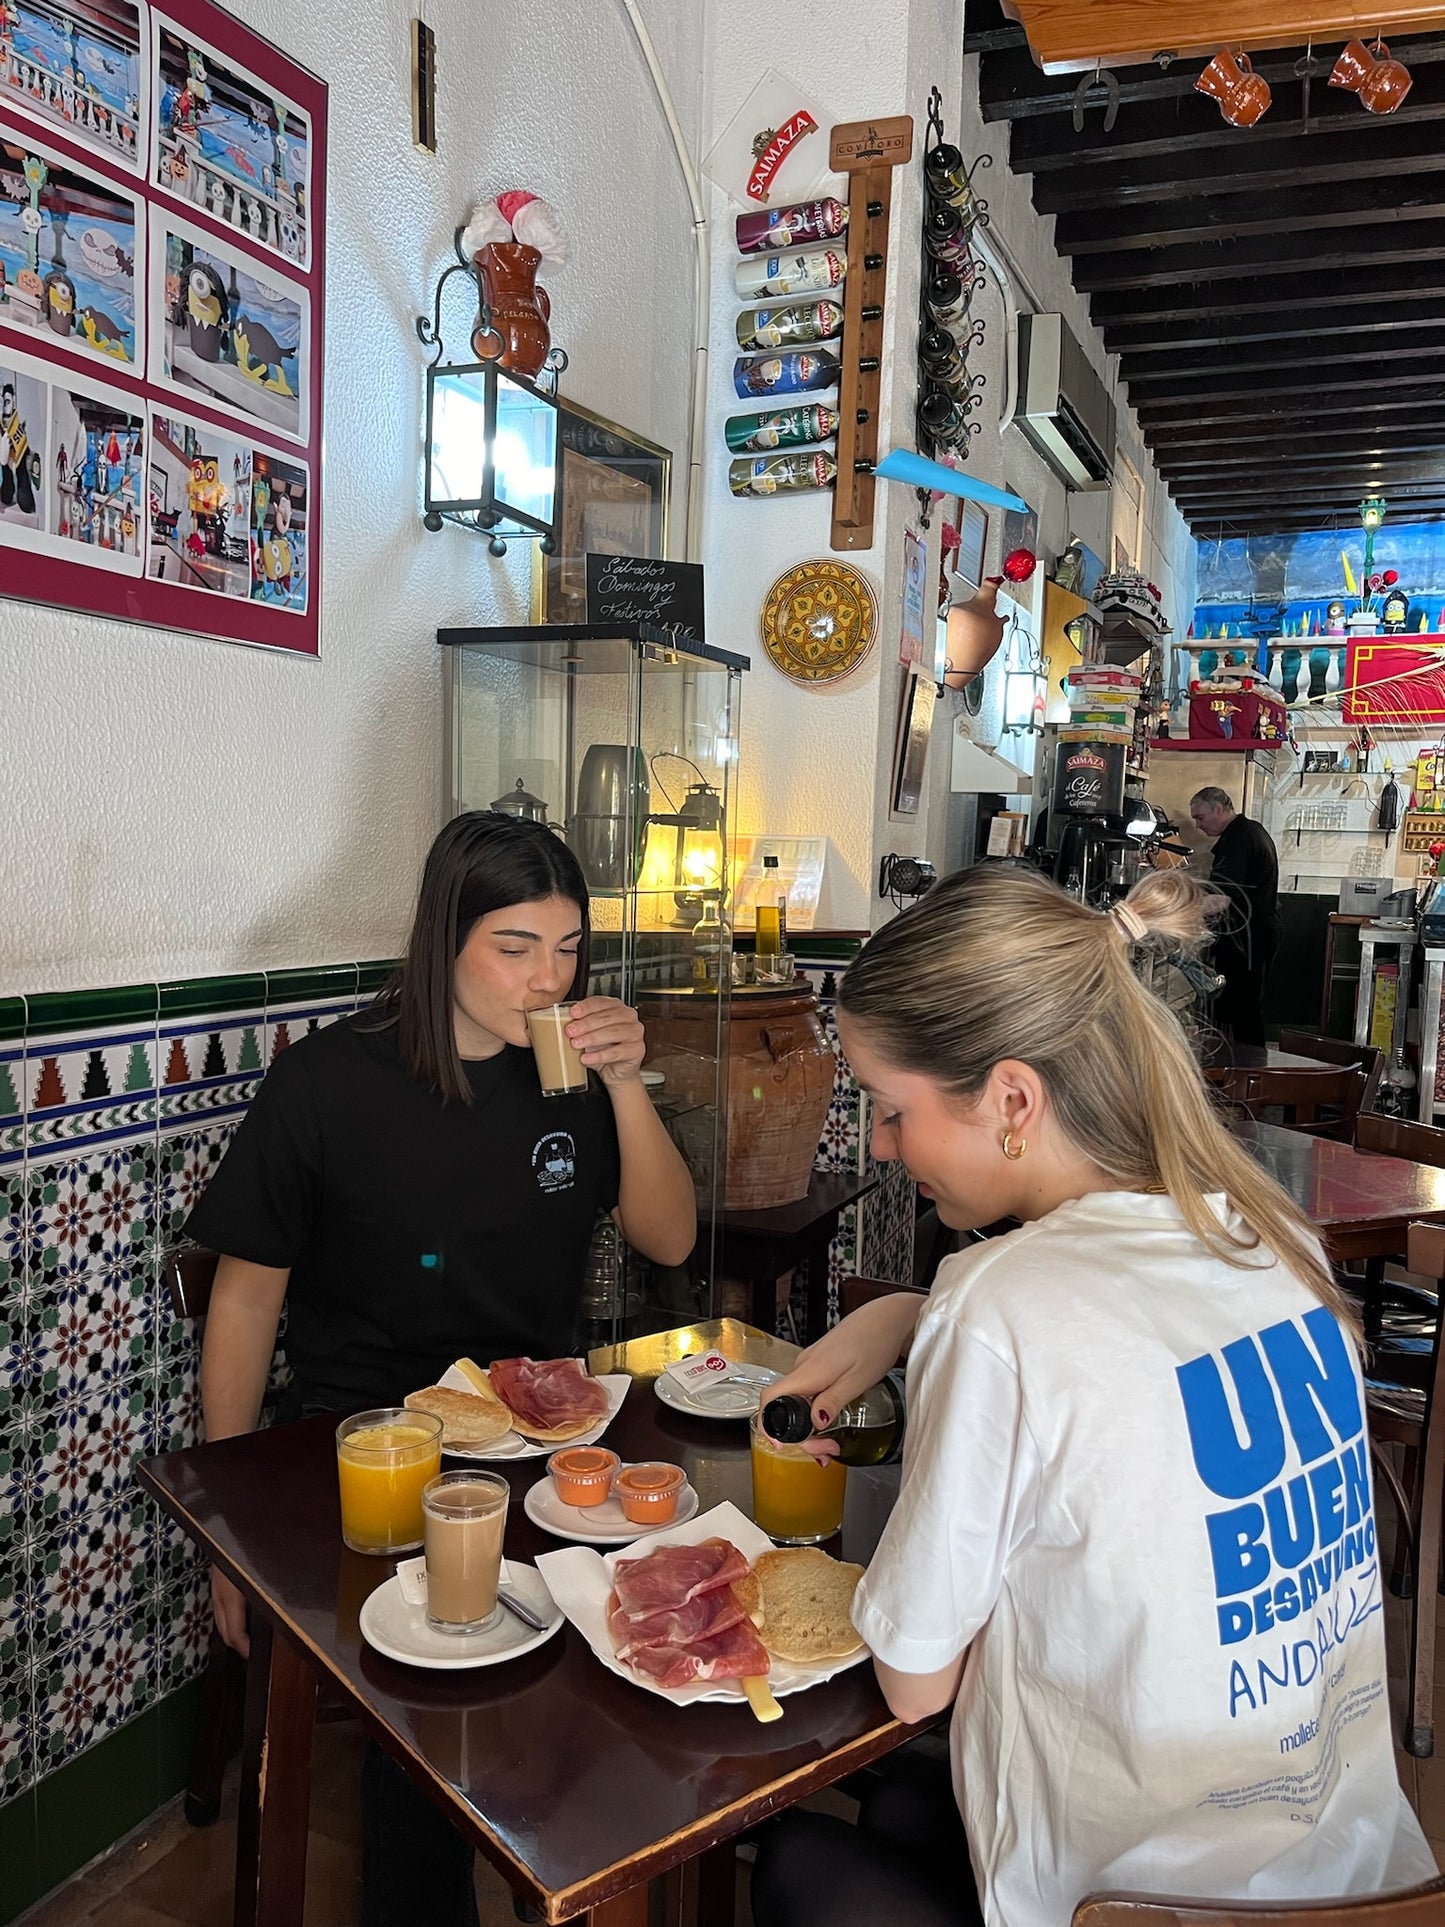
(637, 588)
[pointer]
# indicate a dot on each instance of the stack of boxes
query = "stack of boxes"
(1104, 710)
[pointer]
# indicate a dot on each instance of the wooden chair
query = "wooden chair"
(1400, 1137)
(1422, 1906)
(1329, 1050)
(1396, 1309)
(1406, 1407)
(1325, 1102)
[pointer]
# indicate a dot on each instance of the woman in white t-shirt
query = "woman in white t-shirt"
(1135, 1540)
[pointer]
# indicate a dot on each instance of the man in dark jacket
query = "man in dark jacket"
(1246, 869)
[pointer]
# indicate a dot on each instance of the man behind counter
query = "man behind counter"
(1246, 869)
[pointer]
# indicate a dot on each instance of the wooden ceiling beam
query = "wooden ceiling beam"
(1323, 406)
(1375, 204)
(1405, 244)
(1302, 292)
(1383, 379)
(1275, 161)
(1245, 441)
(1372, 465)
(1194, 125)
(1013, 87)
(1068, 38)
(1253, 345)
(1385, 319)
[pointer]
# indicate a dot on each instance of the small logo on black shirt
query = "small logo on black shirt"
(554, 1160)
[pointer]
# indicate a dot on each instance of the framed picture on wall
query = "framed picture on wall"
(616, 488)
(910, 755)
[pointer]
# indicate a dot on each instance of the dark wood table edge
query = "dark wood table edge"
(272, 1672)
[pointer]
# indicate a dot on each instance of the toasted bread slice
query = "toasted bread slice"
(804, 1600)
(556, 1434)
(468, 1421)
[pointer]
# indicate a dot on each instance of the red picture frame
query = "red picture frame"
(213, 525)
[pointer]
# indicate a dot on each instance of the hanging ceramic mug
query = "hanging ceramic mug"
(1230, 80)
(1380, 82)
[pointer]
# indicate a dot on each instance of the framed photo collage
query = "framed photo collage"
(162, 213)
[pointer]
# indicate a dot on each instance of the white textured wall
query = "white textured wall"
(175, 806)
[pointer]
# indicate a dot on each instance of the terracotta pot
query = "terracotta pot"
(1242, 94)
(1380, 82)
(519, 337)
(780, 1081)
(975, 630)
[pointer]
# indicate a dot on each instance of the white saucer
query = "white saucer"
(400, 1631)
(734, 1398)
(595, 1525)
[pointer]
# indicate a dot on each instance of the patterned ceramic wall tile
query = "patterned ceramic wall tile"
(115, 1108)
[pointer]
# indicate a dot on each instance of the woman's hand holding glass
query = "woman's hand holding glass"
(609, 1037)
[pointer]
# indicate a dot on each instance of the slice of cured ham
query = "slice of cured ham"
(548, 1395)
(704, 1615)
(671, 1575)
(735, 1653)
(681, 1614)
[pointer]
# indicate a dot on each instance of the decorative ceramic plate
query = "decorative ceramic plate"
(819, 621)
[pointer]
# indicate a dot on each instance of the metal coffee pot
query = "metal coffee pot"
(520, 802)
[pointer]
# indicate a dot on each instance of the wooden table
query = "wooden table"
(760, 1247)
(1360, 1202)
(577, 1785)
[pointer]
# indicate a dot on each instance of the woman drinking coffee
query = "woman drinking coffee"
(404, 1186)
(1135, 1541)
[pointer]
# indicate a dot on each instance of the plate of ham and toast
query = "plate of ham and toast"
(520, 1408)
(711, 1610)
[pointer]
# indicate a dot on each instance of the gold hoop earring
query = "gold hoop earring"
(1011, 1151)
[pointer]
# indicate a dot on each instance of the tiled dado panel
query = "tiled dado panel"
(115, 1107)
(881, 1245)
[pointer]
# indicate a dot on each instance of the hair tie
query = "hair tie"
(1130, 922)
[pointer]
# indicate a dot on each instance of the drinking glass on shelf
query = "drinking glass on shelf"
(384, 1458)
(797, 1499)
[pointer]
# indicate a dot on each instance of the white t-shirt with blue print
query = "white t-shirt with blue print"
(1137, 1479)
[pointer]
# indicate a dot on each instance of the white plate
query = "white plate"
(511, 1445)
(735, 1397)
(580, 1580)
(596, 1525)
(400, 1631)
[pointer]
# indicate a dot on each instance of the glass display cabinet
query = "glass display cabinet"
(623, 739)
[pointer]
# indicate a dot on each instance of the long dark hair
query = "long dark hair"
(482, 861)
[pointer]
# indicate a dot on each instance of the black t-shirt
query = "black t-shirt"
(415, 1231)
(1246, 867)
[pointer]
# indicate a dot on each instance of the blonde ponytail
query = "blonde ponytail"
(998, 963)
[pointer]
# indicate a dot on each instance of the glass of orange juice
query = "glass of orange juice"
(797, 1499)
(383, 1460)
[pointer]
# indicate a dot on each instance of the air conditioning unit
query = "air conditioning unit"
(1063, 407)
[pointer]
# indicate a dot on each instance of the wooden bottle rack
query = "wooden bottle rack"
(867, 151)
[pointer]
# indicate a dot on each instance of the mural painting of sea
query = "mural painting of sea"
(82, 66)
(227, 143)
(68, 243)
(234, 334)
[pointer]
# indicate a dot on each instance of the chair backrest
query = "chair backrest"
(1399, 1137)
(1302, 1094)
(1413, 1907)
(1329, 1050)
(189, 1272)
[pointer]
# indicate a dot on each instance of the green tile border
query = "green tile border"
(18, 1858)
(203, 996)
(97, 1798)
(50, 1012)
